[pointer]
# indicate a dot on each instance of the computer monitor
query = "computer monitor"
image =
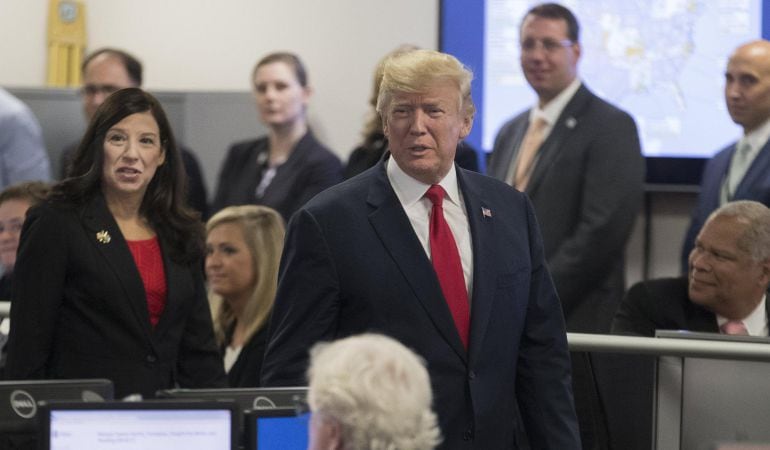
(155, 425)
(19, 399)
(247, 398)
(276, 429)
(702, 401)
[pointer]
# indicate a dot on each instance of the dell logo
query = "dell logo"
(23, 404)
(262, 402)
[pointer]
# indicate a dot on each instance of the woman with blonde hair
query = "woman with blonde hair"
(243, 249)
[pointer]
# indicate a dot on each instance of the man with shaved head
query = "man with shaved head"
(740, 171)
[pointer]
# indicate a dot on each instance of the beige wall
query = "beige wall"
(210, 46)
(202, 45)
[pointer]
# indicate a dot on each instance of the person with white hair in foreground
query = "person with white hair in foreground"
(369, 392)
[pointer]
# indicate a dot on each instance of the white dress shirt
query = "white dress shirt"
(411, 194)
(550, 114)
(553, 109)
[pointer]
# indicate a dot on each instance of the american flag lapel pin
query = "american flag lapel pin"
(486, 212)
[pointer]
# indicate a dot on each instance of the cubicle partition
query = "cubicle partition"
(705, 391)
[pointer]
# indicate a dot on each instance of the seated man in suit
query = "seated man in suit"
(369, 392)
(726, 285)
(741, 171)
(105, 71)
(447, 261)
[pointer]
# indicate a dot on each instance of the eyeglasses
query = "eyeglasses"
(548, 45)
(90, 90)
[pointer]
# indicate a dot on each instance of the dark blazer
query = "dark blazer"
(310, 169)
(352, 263)
(586, 188)
(662, 304)
(755, 185)
(80, 309)
(245, 371)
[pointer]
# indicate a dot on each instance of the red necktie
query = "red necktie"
(446, 263)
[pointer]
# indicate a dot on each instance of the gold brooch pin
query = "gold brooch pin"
(103, 237)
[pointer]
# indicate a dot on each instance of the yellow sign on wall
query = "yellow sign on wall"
(66, 42)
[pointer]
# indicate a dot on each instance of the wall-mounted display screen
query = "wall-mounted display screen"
(663, 61)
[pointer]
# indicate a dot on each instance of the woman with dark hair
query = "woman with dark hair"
(108, 276)
(286, 168)
(243, 249)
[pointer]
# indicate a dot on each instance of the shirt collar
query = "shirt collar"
(758, 137)
(755, 322)
(410, 190)
(553, 109)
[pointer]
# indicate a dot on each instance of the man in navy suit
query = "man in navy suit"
(360, 257)
(741, 171)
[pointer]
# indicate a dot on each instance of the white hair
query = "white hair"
(377, 390)
(756, 238)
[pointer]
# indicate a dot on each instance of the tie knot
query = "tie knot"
(744, 149)
(735, 327)
(436, 194)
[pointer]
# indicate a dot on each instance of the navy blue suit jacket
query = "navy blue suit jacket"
(353, 263)
(755, 185)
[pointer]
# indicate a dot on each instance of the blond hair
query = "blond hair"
(263, 231)
(415, 71)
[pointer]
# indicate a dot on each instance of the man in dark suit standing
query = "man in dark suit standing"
(741, 171)
(447, 261)
(582, 169)
(578, 159)
(726, 284)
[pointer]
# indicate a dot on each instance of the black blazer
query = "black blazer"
(662, 304)
(81, 312)
(310, 169)
(245, 372)
(587, 189)
(352, 263)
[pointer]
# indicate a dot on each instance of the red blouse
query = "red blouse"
(149, 261)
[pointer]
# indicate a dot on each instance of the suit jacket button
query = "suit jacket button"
(151, 358)
(468, 435)
(471, 375)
